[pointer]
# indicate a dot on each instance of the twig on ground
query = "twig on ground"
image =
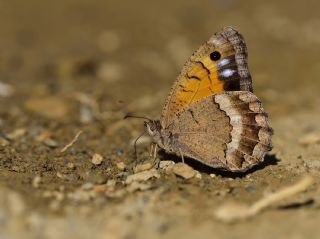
(73, 141)
(237, 211)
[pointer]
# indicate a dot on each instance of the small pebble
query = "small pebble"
(72, 177)
(143, 176)
(119, 152)
(36, 181)
(96, 177)
(96, 159)
(87, 186)
(40, 134)
(198, 175)
(4, 142)
(17, 169)
(121, 166)
(71, 165)
(52, 107)
(86, 115)
(100, 188)
(116, 194)
(223, 192)
(311, 138)
(166, 164)
(212, 175)
(17, 133)
(6, 90)
(251, 188)
(79, 196)
(111, 183)
(58, 195)
(51, 143)
(183, 170)
(136, 186)
(143, 167)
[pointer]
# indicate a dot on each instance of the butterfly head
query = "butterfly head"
(153, 127)
(154, 130)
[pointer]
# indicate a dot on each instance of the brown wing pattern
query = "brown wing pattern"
(229, 130)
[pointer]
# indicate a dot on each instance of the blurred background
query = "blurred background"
(73, 65)
(126, 50)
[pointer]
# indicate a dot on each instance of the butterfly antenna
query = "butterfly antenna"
(135, 143)
(134, 116)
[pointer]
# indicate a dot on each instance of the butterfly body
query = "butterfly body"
(211, 114)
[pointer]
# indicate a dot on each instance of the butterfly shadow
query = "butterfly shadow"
(270, 159)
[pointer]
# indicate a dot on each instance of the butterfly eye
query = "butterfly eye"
(215, 56)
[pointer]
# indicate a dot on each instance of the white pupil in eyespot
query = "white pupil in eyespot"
(223, 62)
(227, 72)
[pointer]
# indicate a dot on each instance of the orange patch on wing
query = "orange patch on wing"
(201, 81)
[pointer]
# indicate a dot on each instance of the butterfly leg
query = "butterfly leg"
(151, 150)
(181, 154)
(155, 151)
(153, 154)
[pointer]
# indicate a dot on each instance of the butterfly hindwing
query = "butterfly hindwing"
(228, 130)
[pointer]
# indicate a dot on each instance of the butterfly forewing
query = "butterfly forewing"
(218, 65)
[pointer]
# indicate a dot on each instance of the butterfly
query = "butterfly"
(211, 114)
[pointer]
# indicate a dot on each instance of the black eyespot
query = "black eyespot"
(215, 56)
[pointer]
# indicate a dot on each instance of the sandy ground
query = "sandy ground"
(77, 67)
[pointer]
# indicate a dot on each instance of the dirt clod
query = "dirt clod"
(183, 170)
(121, 166)
(97, 159)
(143, 167)
(311, 138)
(143, 176)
